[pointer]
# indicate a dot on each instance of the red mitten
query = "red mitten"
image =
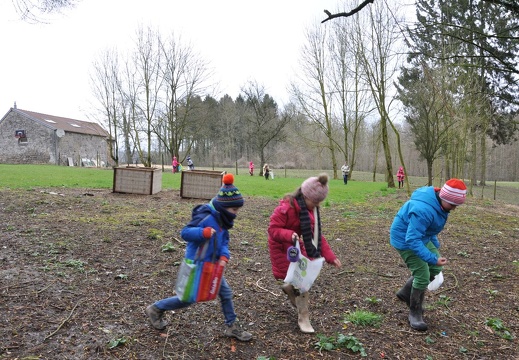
(207, 232)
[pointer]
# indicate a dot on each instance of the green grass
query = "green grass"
(363, 318)
(54, 177)
(359, 189)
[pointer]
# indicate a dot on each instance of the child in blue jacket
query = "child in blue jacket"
(216, 217)
(414, 235)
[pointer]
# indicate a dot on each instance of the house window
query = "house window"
(22, 141)
(19, 134)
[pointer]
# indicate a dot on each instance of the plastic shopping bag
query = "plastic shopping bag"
(216, 281)
(185, 279)
(210, 281)
(303, 272)
(436, 283)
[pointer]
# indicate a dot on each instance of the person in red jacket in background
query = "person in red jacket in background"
(400, 177)
(297, 216)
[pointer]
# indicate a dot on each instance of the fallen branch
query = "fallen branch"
(345, 272)
(63, 322)
(45, 288)
(449, 288)
(262, 288)
(179, 241)
(16, 286)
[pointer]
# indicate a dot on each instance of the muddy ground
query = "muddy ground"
(78, 267)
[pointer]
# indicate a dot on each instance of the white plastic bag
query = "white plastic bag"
(302, 273)
(436, 283)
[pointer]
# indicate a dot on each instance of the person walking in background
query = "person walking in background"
(190, 163)
(400, 176)
(251, 168)
(174, 165)
(414, 233)
(297, 217)
(266, 171)
(213, 219)
(345, 172)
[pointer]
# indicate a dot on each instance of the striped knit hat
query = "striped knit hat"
(229, 196)
(454, 192)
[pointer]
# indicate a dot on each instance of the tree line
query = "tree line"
(437, 95)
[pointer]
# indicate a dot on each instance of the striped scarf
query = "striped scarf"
(306, 229)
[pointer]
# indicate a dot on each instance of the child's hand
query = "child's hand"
(441, 261)
(208, 232)
(337, 263)
(223, 261)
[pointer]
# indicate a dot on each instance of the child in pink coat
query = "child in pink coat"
(400, 176)
(297, 217)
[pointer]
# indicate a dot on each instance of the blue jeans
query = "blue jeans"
(225, 295)
(345, 178)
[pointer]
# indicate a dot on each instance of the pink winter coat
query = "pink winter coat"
(284, 221)
(400, 174)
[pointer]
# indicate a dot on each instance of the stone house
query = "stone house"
(28, 137)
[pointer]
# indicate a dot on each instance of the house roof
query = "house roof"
(67, 124)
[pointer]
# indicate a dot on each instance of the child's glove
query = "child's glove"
(207, 232)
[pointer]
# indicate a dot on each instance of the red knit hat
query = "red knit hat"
(315, 188)
(454, 192)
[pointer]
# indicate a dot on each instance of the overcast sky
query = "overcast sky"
(45, 67)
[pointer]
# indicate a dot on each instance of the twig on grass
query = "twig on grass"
(16, 286)
(63, 322)
(452, 317)
(264, 289)
(179, 241)
(45, 288)
(449, 288)
(346, 272)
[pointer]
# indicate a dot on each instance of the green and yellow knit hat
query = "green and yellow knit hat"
(229, 196)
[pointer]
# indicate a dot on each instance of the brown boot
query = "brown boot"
(303, 315)
(289, 290)
(155, 317)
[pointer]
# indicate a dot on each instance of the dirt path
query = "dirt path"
(77, 270)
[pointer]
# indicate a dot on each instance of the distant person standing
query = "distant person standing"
(345, 172)
(251, 168)
(190, 163)
(266, 171)
(174, 165)
(400, 176)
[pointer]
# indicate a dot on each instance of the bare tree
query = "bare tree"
(380, 60)
(353, 104)
(312, 94)
(106, 86)
(146, 59)
(265, 123)
(36, 11)
(184, 74)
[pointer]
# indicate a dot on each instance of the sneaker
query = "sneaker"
(155, 317)
(236, 331)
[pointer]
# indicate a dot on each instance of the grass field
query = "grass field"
(360, 188)
(48, 176)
